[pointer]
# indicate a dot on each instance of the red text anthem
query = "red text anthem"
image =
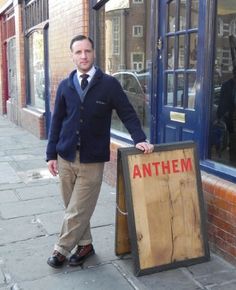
(162, 167)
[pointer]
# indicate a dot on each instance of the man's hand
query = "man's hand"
(52, 166)
(145, 147)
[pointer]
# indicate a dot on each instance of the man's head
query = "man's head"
(82, 52)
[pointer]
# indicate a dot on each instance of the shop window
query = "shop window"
(36, 69)
(35, 25)
(123, 50)
(222, 147)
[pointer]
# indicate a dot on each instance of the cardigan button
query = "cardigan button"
(81, 121)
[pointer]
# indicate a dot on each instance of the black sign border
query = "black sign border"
(123, 153)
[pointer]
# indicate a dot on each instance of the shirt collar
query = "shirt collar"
(91, 73)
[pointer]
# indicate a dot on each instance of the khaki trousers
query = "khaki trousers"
(80, 186)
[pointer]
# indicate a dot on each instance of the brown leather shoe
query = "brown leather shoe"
(81, 254)
(56, 260)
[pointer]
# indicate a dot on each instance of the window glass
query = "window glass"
(222, 147)
(36, 70)
(182, 16)
(123, 43)
(170, 52)
(194, 13)
(181, 52)
(171, 16)
(193, 39)
(191, 90)
(180, 89)
(170, 90)
(181, 56)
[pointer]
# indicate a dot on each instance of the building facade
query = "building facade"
(172, 58)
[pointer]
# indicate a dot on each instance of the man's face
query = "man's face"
(83, 55)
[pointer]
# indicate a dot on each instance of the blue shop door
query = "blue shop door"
(178, 78)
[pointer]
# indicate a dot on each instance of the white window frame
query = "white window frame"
(220, 24)
(116, 35)
(137, 1)
(232, 27)
(137, 30)
(137, 65)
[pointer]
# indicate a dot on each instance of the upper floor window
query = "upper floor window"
(137, 61)
(36, 11)
(137, 1)
(137, 31)
(232, 27)
(116, 35)
(220, 24)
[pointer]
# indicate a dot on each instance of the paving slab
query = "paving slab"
(8, 196)
(31, 213)
(224, 286)
(34, 253)
(35, 191)
(104, 277)
(8, 174)
(30, 207)
(51, 222)
(20, 229)
(35, 175)
(2, 278)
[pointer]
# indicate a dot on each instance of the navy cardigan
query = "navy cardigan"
(89, 122)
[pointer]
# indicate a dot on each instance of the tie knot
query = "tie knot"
(84, 81)
(84, 76)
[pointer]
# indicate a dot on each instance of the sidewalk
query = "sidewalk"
(31, 212)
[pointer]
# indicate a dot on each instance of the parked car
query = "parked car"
(135, 86)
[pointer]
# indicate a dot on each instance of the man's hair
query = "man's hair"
(79, 38)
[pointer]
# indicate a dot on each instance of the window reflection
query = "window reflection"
(181, 78)
(182, 16)
(191, 90)
(170, 89)
(124, 52)
(193, 50)
(223, 118)
(194, 13)
(181, 52)
(180, 90)
(170, 52)
(36, 70)
(171, 18)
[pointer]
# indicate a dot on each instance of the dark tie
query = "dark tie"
(84, 81)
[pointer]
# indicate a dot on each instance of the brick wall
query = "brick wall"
(67, 19)
(220, 196)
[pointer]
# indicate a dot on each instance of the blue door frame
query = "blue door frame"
(179, 117)
(196, 125)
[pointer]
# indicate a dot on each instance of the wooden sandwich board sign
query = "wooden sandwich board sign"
(160, 216)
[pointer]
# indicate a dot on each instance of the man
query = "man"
(78, 146)
(226, 112)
